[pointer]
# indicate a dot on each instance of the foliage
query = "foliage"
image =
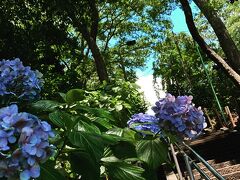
(89, 118)
(89, 134)
(182, 72)
(86, 127)
(122, 99)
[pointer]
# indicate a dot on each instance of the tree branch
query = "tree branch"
(205, 48)
(94, 19)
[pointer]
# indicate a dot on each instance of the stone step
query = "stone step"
(216, 164)
(231, 176)
(223, 171)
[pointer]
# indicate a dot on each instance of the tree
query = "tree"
(227, 44)
(210, 52)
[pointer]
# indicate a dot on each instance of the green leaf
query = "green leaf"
(87, 127)
(101, 113)
(92, 143)
(115, 131)
(118, 107)
(49, 172)
(83, 164)
(122, 170)
(46, 105)
(110, 159)
(124, 150)
(103, 122)
(61, 119)
(63, 96)
(153, 152)
(125, 133)
(110, 139)
(75, 95)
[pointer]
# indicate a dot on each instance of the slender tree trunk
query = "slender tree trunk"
(89, 32)
(228, 46)
(205, 48)
(92, 44)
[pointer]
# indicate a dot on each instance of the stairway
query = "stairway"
(222, 151)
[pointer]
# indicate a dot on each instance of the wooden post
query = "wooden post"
(208, 117)
(218, 117)
(230, 115)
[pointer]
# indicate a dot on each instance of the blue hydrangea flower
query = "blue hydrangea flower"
(176, 115)
(23, 143)
(180, 116)
(144, 122)
(18, 80)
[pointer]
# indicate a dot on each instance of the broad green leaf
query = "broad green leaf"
(153, 152)
(61, 119)
(87, 127)
(102, 113)
(110, 139)
(46, 105)
(83, 164)
(110, 159)
(126, 133)
(123, 170)
(129, 134)
(124, 150)
(63, 96)
(103, 122)
(48, 172)
(115, 131)
(91, 142)
(75, 95)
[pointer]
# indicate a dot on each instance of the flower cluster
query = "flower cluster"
(23, 143)
(176, 115)
(144, 122)
(180, 116)
(18, 80)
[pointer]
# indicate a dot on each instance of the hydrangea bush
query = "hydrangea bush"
(176, 115)
(18, 80)
(23, 143)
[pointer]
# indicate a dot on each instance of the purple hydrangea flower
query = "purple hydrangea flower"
(23, 143)
(18, 80)
(144, 122)
(180, 116)
(176, 115)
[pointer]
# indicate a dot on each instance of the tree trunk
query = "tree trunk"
(89, 32)
(99, 61)
(228, 46)
(205, 48)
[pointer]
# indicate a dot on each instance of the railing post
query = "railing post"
(202, 173)
(176, 162)
(210, 168)
(189, 169)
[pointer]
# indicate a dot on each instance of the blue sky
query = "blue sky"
(178, 20)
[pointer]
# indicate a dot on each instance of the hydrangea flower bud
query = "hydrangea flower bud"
(23, 143)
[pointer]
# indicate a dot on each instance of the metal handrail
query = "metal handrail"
(202, 173)
(207, 165)
(188, 164)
